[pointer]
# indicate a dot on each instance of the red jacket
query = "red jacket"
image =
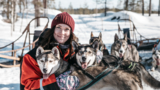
(30, 73)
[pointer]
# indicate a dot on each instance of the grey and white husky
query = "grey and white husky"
(156, 60)
(49, 61)
(121, 49)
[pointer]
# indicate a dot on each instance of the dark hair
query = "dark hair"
(48, 38)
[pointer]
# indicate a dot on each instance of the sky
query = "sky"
(92, 3)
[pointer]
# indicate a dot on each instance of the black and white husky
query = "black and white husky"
(156, 60)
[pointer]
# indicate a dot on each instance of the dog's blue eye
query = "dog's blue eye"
(80, 52)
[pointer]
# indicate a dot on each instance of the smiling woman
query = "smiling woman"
(61, 36)
(62, 33)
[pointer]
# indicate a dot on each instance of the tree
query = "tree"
(8, 8)
(126, 5)
(138, 6)
(150, 5)
(159, 9)
(80, 10)
(19, 4)
(105, 11)
(97, 2)
(45, 7)
(51, 4)
(60, 8)
(71, 8)
(37, 5)
(26, 4)
(119, 3)
(85, 8)
(143, 7)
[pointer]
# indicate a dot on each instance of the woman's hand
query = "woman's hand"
(66, 82)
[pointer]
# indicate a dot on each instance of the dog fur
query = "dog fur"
(102, 46)
(121, 49)
(156, 60)
(118, 79)
(49, 62)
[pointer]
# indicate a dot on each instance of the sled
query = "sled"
(17, 59)
(142, 43)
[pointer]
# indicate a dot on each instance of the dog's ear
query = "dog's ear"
(55, 52)
(92, 34)
(100, 36)
(95, 45)
(116, 37)
(125, 37)
(39, 50)
(153, 50)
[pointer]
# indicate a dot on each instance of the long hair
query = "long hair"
(48, 37)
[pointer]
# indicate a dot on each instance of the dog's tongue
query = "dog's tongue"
(120, 55)
(158, 61)
(45, 76)
(84, 65)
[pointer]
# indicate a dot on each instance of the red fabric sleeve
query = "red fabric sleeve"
(31, 74)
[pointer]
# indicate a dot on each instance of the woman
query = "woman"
(60, 35)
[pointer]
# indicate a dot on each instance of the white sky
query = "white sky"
(92, 4)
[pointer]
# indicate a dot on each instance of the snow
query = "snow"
(84, 24)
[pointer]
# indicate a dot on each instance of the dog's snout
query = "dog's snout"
(44, 70)
(84, 58)
(121, 51)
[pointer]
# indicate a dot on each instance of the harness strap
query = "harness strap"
(104, 62)
(132, 66)
(99, 77)
(84, 72)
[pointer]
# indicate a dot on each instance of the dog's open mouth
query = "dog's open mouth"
(46, 75)
(84, 64)
(120, 55)
(158, 61)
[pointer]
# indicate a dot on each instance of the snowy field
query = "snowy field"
(146, 26)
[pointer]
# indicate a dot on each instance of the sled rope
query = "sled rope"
(99, 77)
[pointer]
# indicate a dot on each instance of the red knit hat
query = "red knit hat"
(63, 18)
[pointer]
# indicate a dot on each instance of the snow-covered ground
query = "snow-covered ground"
(84, 24)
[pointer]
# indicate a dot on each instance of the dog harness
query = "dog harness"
(99, 77)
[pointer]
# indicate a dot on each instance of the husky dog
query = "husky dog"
(102, 46)
(156, 60)
(121, 49)
(118, 79)
(49, 62)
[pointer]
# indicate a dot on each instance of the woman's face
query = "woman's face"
(62, 33)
